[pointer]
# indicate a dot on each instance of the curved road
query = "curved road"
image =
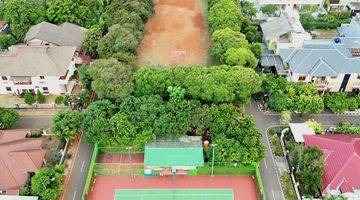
(269, 170)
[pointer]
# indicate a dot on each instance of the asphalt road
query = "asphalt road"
(34, 122)
(77, 179)
(263, 122)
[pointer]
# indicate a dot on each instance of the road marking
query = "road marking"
(74, 194)
(265, 164)
(272, 192)
(82, 166)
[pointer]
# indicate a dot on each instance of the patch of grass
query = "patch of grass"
(289, 190)
(226, 170)
(275, 141)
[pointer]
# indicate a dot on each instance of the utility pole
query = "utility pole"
(213, 159)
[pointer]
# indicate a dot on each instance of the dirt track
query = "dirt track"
(176, 35)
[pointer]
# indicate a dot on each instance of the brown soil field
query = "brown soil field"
(175, 35)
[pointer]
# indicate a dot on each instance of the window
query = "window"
(358, 76)
(42, 77)
(302, 78)
(45, 88)
(4, 78)
(333, 77)
(8, 89)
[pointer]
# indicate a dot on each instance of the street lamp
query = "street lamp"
(131, 168)
(213, 159)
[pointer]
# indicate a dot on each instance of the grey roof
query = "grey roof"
(298, 130)
(276, 27)
(36, 60)
(174, 142)
(66, 34)
(273, 60)
(15, 197)
(352, 29)
(323, 58)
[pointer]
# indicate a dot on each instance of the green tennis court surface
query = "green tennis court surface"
(174, 194)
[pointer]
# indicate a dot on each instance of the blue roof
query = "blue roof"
(352, 29)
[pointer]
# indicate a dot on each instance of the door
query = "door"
(344, 82)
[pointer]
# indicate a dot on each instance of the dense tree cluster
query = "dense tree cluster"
(298, 97)
(341, 102)
(8, 118)
(226, 22)
(219, 84)
(347, 127)
(66, 124)
(331, 20)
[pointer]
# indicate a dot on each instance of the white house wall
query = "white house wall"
(53, 83)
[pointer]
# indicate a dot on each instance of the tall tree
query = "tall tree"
(111, 79)
(92, 38)
(8, 118)
(225, 14)
(240, 57)
(66, 124)
(47, 182)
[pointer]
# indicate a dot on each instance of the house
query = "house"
(287, 4)
(66, 34)
(168, 156)
(298, 130)
(32, 68)
(333, 65)
(282, 32)
(342, 163)
(352, 29)
(19, 158)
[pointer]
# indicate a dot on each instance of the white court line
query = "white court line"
(82, 166)
(74, 194)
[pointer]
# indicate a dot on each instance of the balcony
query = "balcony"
(21, 80)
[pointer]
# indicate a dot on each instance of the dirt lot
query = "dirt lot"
(176, 35)
(326, 34)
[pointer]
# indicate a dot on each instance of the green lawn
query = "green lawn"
(224, 170)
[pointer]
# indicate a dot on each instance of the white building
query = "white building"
(44, 68)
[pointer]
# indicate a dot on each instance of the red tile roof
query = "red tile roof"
(342, 160)
(18, 156)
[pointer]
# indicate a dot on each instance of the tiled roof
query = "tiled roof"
(323, 58)
(342, 160)
(276, 27)
(18, 156)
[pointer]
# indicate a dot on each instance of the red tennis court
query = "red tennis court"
(124, 158)
(104, 187)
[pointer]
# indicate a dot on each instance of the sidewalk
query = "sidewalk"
(38, 112)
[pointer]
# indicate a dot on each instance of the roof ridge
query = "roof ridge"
(303, 60)
(325, 138)
(10, 172)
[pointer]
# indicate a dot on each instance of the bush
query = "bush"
(24, 191)
(59, 100)
(289, 190)
(315, 126)
(35, 133)
(29, 98)
(66, 100)
(337, 102)
(275, 141)
(269, 9)
(347, 127)
(40, 97)
(8, 117)
(53, 158)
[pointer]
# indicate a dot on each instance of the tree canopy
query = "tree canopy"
(104, 71)
(8, 117)
(47, 182)
(66, 124)
(240, 57)
(225, 14)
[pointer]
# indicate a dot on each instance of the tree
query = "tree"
(224, 14)
(240, 57)
(123, 38)
(22, 14)
(307, 21)
(278, 101)
(83, 13)
(223, 40)
(111, 79)
(337, 102)
(256, 49)
(347, 127)
(40, 98)
(8, 118)
(94, 121)
(269, 9)
(47, 182)
(285, 118)
(66, 124)
(311, 171)
(29, 98)
(6, 41)
(84, 76)
(90, 44)
(248, 8)
(315, 126)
